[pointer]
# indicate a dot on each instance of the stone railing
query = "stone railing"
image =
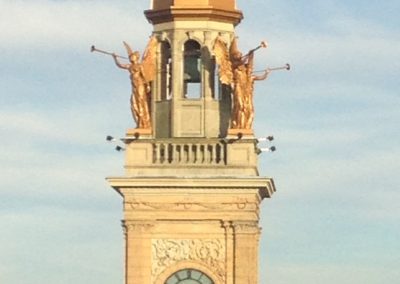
(213, 153)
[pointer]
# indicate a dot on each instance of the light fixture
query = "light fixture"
(109, 138)
(264, 139)
(270, 149)
(119, 148)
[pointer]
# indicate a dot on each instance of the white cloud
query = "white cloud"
(335, 44)
(61, 246)
(50, 152)
(65, 24)
(309, 273)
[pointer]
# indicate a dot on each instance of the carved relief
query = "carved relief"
(208, 252)
(184, 204)
(137, 226)
(246, 227)
(142, 205)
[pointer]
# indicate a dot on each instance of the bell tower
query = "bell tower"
(187, 92)
(191, 189)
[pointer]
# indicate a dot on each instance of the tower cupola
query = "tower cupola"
(215, 10)
(188, 99)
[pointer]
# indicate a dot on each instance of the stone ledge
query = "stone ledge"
(210, 184)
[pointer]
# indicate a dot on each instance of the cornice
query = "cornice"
(265, 185)
(193, 13)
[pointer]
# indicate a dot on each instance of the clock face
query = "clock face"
(189, 276)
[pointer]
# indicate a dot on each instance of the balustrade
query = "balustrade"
(189, 153)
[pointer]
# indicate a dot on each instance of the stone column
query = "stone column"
(246, 234)
(138, 251)
(230, 260)
(177, 82)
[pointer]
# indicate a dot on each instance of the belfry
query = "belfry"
(191, 189)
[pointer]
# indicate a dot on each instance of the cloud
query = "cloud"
(331, 44)
(303, 273)
(66, 24)
(62, 246)
(54, 156)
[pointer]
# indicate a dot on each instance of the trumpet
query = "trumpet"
(263, 44)
(93, 48)
(286, 67)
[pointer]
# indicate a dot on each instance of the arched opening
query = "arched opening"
(215, 83)
(166, 71)
(192, 70)
(189, 276)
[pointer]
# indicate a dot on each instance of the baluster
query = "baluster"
(181, 153)
(175, 153)
(218, 155)
(156, 153)
(193, 150)
(177, 157)
(162, 153)
(212, 154)
(189, 154)
(206, 154)
(224, 153)
(198, 159)
(170, 153)
(185, 155)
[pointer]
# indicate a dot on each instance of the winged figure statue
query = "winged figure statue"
(236, 71)
(141, 75)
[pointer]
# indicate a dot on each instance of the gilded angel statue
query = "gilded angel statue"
(236, 71)
(141, 74)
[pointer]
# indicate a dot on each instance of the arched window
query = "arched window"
(189, 276)
(166, 71)
(215, 83)
(192, 70)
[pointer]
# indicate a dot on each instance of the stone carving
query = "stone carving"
(142, 205)
(208, 252)
(246, 227)
(185, 204)
(136, 226)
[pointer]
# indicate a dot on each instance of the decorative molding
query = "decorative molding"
(137, 226)
(135, 204)
(188, 203)
(207, 252)
(246, 227)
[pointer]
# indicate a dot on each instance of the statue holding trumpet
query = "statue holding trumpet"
(141, 75)
(236, 71)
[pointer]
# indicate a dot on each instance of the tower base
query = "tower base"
(207, 224)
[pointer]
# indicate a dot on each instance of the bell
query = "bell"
(192, 69)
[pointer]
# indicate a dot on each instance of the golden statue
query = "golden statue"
(141, 75)
(236, 71)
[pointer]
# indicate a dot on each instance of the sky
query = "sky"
(335, 217)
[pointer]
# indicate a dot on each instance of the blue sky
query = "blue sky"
(336, 214)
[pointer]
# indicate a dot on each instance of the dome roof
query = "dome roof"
(170, 10)
(217, 4)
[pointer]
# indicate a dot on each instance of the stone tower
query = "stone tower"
(191, 189)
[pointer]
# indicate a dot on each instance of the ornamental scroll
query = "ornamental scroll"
(207, 252)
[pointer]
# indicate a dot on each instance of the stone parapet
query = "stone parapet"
(191, 156)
